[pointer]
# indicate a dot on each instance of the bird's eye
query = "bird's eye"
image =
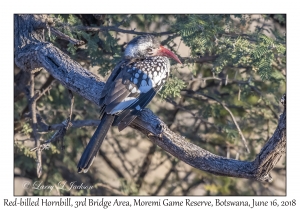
(149, 50)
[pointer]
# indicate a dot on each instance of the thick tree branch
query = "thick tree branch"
(31, 51)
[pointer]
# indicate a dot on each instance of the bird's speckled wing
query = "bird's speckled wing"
(133, 87)
(115, 72)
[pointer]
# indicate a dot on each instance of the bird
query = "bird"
(134, 81)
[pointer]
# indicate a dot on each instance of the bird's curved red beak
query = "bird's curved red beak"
(165, 52)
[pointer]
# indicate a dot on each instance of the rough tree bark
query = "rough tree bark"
(31, 52)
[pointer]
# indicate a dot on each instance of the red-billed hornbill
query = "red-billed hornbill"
(132, 84)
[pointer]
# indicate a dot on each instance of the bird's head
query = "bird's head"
(147, 46)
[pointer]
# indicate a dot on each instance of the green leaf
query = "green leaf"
(172, 88)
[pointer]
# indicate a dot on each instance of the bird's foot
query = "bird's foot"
(159, 131)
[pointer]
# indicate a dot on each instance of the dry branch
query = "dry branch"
(63, 36)
(32, 105)
(120, 30)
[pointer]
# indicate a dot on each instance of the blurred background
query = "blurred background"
(234, 68)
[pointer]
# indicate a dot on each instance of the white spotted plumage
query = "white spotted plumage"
(144, 77)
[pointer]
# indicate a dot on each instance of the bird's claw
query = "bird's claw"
(159, 131)
(160, 135)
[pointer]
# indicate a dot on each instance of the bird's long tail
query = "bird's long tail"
(94, 144)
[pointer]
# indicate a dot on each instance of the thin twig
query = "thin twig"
(121, 158)
(75, 124)
(204, 59)
(123, 21)
(23, 140)
(58, 135)
(194, 184)
(71, 109)
(39, 95)
(174, 163)
(63, 36)
(170, 37)
(178, 182)
(115, 28)
(111, 164)
(115, 191)
(41, 147)
(237, 125)
(227, 109)
(123, 152)
(239, 82)
(34, 127)
(44, 86)
(160, 163)
(145, 166)
(190, 112)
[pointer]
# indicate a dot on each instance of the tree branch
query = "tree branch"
(111, 164)
(117, 29)
(203, 59)
(32, 103)
(20, 82)
(113, 190)
(74, 124)
(31, 51)
(63, 36)
(145, 166)
(166, 177)
(230, 113)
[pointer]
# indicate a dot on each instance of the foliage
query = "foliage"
(246, 73)
(172, 88)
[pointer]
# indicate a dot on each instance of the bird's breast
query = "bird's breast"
(148, 73)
